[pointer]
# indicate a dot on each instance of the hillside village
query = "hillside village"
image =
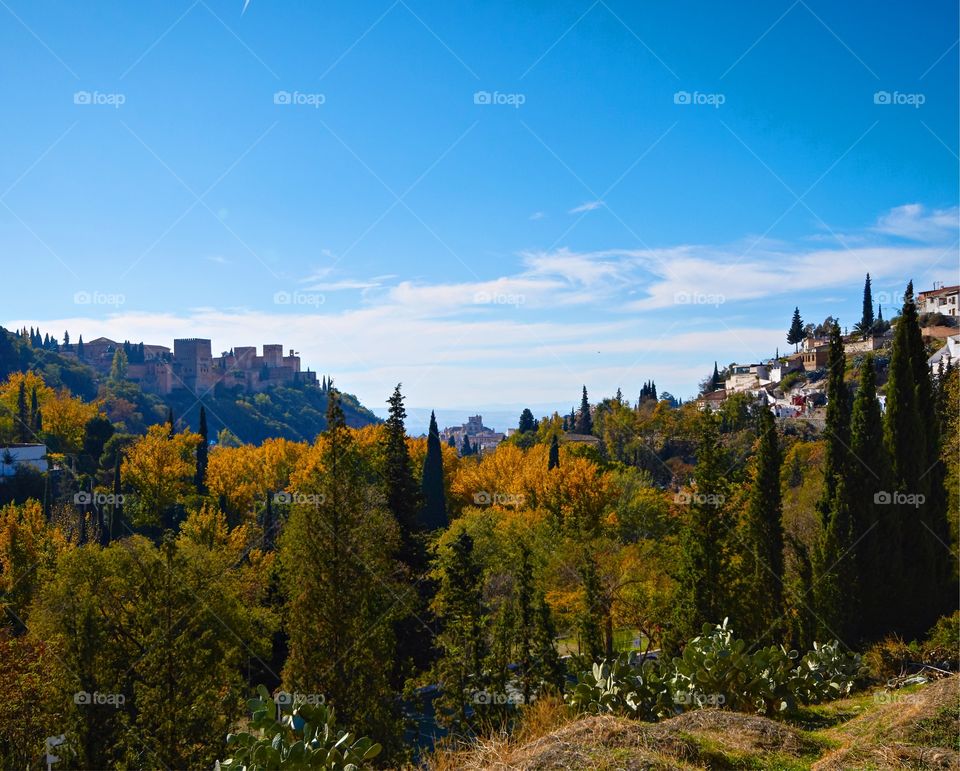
(794, 385)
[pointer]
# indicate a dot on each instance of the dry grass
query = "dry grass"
(917, 729)
(909, 730)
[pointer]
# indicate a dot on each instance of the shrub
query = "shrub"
(717, 670)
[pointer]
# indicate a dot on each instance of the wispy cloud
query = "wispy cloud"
(915, 222)
(586, 206)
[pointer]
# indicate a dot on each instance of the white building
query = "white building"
(14, 456)
(949, 353)
(940, 299)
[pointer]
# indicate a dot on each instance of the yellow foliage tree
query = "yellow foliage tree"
(160, 470)
(64, 416)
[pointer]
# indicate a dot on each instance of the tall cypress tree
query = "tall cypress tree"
(554, 458)
(834, 564)
(433, 515)
(171, 426)
(403, 499)
(875, 527)
(23, 416)
(463, 616)
(584, 424)
(911, 434)
(762, 540)
(703, 571)
(866, 319)
(200, 478)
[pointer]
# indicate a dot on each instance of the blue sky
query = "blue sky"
(492, 202)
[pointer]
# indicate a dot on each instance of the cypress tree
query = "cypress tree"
(466, 449)
(703, 571)
(911, 434)
(866, 319)
(38, 423)
(402, 496)
(590, 617)
(554, 459)
(795, 333)
(34, 408)
(117, 526)
(875, 527)
(762, 540)
(23, 416)
(80, 354)
(834, 564)
(200, 478)
(433, 515)
(462, 640)
(715, 380)
(170, 424)
(584, 423)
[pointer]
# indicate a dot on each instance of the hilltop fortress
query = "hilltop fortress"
(191, 365)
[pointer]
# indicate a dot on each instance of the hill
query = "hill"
(292, 412)
(911, 728)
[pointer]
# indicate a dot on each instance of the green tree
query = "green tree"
(337, 572)
(23, 415)
(795, 334)
(403, 498)
(762, 569)
(433, 515)
(834, 562)
(118, 367)
(200, 478)
(911, 434)
(866, 317)
(554, 457)
(875, 527)
(527, 422)
(584, 422)
(703, 575)
(463, 616)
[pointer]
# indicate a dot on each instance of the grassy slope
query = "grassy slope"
(911, 728)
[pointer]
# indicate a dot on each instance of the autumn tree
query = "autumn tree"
(160, 469)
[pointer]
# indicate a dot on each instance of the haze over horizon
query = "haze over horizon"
(491, 204)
